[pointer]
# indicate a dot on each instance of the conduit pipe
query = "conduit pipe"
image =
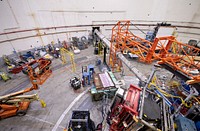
(132, 68)
(92, 25)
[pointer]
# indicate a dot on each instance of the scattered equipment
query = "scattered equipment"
(17, 103)
(75, 83)
(13, 65)
(81, 44)
(184, 59)
(87, 74)
(51, 49)
(125, 116)
(27, 56)
(37, 67)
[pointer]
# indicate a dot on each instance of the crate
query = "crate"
(80, 121)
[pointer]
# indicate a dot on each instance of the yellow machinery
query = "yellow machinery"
(65, 52)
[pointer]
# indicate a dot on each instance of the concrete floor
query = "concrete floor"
(58, 95)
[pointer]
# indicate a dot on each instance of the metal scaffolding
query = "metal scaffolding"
(64, 54)
(182, 57)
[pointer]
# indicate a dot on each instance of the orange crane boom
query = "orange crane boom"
(184, 58)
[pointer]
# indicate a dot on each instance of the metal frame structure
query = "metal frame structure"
(181, 57)
(163, 46)
(185, 59)
(40, 75)
(63, 53)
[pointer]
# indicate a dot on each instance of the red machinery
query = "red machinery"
(122, 114)
(39, 71)
(16, 103)
(24, 66)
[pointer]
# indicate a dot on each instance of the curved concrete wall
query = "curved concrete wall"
(31, 14)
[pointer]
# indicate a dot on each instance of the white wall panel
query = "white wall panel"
(71, 18)
(182, 10)
(3, 38)
(6, 48)
(7, 18)
(22, 13)
(29, 14)
(58, 18)
(45, 18)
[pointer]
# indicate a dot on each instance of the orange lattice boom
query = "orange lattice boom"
(168, 50)
(185, 58)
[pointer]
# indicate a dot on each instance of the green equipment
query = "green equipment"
(4, 76)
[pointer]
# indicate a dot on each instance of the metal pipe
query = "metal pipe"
(133, 69)
(40, 35)
(92, 25)
(150, 126)
(164, 116)
(144, 92)
(54, 27)
(156, 21)
(104, 55)
(138, 74)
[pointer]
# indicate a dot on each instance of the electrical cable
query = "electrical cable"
(104, 109)
(170, 95)
(138, 28)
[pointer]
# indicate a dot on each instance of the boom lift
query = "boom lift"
(17, 103)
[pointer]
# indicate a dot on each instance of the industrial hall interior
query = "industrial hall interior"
(99, 65)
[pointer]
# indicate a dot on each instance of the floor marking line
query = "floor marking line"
(43, 121)
(67, 110)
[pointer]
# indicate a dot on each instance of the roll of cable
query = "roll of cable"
(83, 39)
